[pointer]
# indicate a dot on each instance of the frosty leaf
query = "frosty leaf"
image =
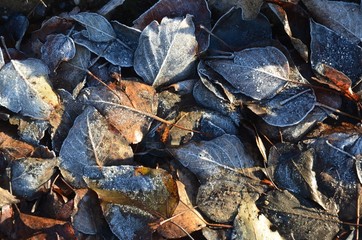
(31, 131)
(291, 218)
(124, 110)
(128, 222)
(6, 198)
(151, 190)
(337, 155)
(88, 216)
(231, 26)
(24, 88)
(209, 158)
(170, 8)
(28, 175)
(294, 172)
(166, 51)
(91, 142)
(98, 27)
(345, 18)
(71, 74)
(327, 47)
(57, 48)
(289, 107)
(61, 125)
(118, 51)
(256, 72)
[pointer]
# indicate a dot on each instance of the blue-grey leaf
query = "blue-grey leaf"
(98, 27)
(256, 72)
(166, 51)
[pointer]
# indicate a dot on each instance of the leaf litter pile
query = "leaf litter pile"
(195, 119)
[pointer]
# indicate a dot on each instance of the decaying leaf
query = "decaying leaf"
(6, 198)
(29, 174)
(152, 190)
(91, 142)
(186, 219)
(24, 88)
(167, 51)
(292, 218)
(250, 224)
(126, 107)
(12, 148)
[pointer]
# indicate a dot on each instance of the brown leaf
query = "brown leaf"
(13, 148)
(126, 108)
(337, 80)
(6, 198)
(185, 217)
(30, 225)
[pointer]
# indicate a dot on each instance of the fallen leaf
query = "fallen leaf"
(293, 171)
(329, 48)
(256, 72)
(186, 218)
(172, 9)
(31, 131)
(6, 199)
(126, 108)
(98, 27)
(152, 190)
(213, 157)
(118, 51)
(30, 174)
(231, 26)
(345, 18)
(336, 80)
(87, 215)
(72, 74)
(91, 142)
(57, 48)
(24, 88)
(12, 148)
(250, 224)
(128, 222)
(167, 51)
(292, 218)
(289, 107)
